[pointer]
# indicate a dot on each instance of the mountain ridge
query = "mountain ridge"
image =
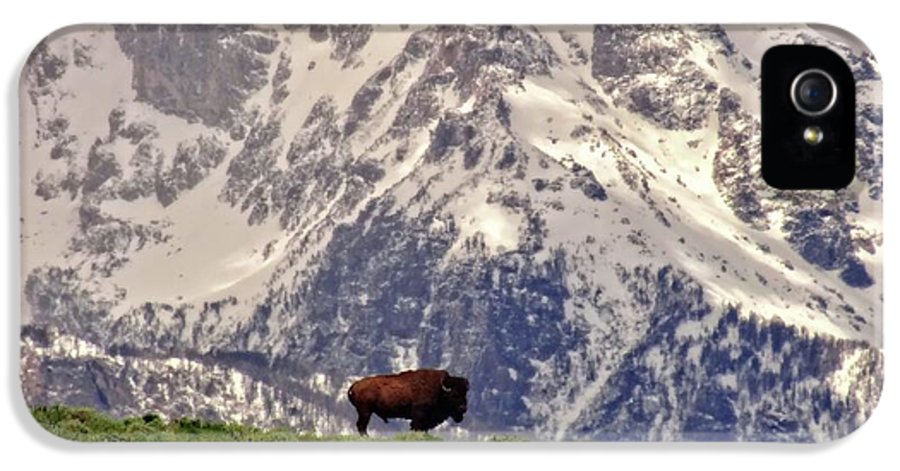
(498, 200)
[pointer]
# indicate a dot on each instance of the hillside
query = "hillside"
(87, 425)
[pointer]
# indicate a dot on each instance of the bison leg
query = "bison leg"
(362, 423)
(418, 426)
(420, 421)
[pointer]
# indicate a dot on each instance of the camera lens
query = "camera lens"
(813, 92)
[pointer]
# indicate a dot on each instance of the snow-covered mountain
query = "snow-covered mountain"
(237, 222)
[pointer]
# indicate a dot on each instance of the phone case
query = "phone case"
(224, 228)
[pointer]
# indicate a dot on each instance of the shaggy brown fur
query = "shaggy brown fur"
(427, 397)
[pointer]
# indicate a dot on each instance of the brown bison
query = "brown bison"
(427, 397)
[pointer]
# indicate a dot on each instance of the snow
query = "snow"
(696, 328)
(101, 85)
(499, 227)
(544, 112)
(848, 375)
(728, 381)
(214, 252)
(320, 382)
(405, 356)
(546, 108)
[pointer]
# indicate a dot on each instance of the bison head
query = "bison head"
(453, 392)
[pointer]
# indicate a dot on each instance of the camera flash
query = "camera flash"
(813, 135)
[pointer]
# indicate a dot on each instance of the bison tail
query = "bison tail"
(350, 396)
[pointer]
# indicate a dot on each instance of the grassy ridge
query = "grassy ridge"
(88, 425)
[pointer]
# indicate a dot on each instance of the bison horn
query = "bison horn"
(444, 387)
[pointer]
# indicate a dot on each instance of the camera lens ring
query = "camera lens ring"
(799, 79)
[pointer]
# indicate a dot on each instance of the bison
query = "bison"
(427, 397)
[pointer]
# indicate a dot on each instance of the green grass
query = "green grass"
(88, 425)
(507, 438)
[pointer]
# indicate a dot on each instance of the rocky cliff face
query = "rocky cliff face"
(237, 222)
